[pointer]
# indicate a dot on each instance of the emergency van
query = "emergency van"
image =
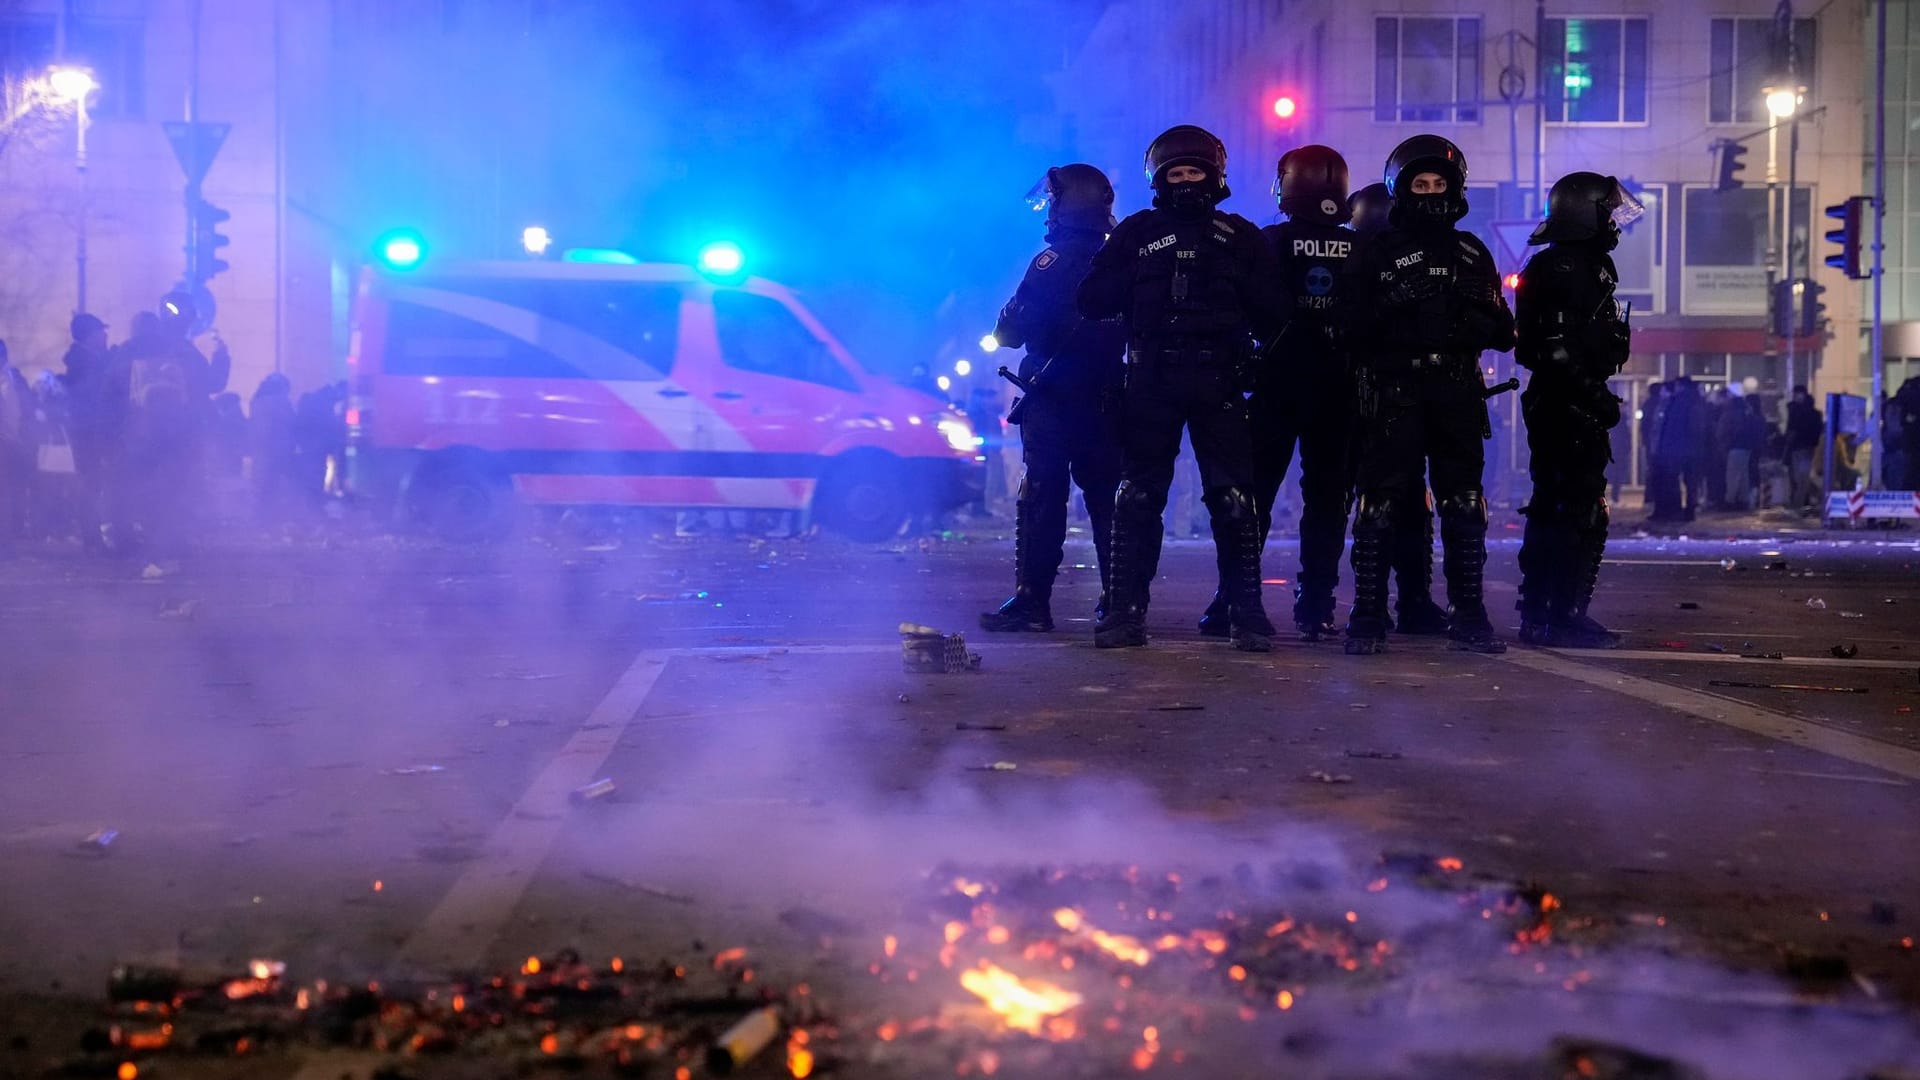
(476, 389)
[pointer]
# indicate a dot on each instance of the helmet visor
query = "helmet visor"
(1040, 194)
(1625, 209)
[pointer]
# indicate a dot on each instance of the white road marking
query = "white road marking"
(464, 924)
(1736, 658)
(1806, 734)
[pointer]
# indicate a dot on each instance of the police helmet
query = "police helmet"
(1311, 182)
(1188, 144)
(1583, 205)
(1423, 154)
(1368, 208)
(1076, 196)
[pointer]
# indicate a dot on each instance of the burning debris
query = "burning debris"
(1022, 972)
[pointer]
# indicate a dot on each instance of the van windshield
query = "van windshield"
(759, 334)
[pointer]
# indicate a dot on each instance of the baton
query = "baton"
(1007, 373)
(1494, 391)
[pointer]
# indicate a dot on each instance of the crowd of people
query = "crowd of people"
(1721, 450)
(123, 448)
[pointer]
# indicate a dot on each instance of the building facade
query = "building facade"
(1641, 90)
(344, 118)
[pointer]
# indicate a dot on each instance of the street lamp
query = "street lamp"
(74, 85)
(1783, 101)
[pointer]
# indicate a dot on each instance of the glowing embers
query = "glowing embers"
(1120, 946)
(1028, 1005)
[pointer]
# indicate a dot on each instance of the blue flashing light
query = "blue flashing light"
(401, 249)
(721, 258)
(613, 256)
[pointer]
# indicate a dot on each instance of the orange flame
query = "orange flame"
(969, 889)
(1025, 1004)
(1284, 999)
(728, 956)
(890, 945)
(1450, 864)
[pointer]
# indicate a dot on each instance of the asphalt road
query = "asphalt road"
(354, 752)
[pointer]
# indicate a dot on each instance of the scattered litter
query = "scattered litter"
(1762, 655)
(1787, 686)
(1360, 704)
(601, 547)
(1845, 652)
(1714, 647)
(998, 766)
(1579, 1056)
(413, 770)
(1729, 564)
(1816, 603)
(153, 572)
(1853, 615)
(1376, 755)
(1688, 605)
(1326, 777)
(185, 609)
(925, 649)
(522, 676)
(502, 722)
(1179, 706)
(963, 725)
(599, 789)
(743, 1041)
(1673, 644)
(901, 698)
(98, 841)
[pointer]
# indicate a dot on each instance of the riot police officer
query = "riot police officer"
(1304, 395)
(1411, 549)
(1426, 303)
(1070, 375)
(1194, 285)
(1573, 338)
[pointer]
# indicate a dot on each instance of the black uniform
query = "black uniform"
(1411, 550)
(1194, 287)
(1305, 397)
(1426, 303)
(1068, 423)
(1573, 338)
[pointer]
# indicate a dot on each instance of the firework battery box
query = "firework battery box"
(927, 650)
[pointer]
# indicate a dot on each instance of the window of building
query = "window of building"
(1426, 69)
(1641, 257)
(1723, 238)
(1744, 57)
(1596, 71)
(759, 334)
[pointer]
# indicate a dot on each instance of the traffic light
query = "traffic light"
(1730, 165)
(204, 259)
(1780, 309)
(1852, 215)
(1813, 313)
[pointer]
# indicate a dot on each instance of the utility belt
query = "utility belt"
(1195, 354)
(1462, 365)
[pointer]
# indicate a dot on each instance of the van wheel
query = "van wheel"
(464, 503)
(863, 498)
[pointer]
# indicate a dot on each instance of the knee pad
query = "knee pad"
(1466, 508)
(1230, 504)
(1377, 513)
